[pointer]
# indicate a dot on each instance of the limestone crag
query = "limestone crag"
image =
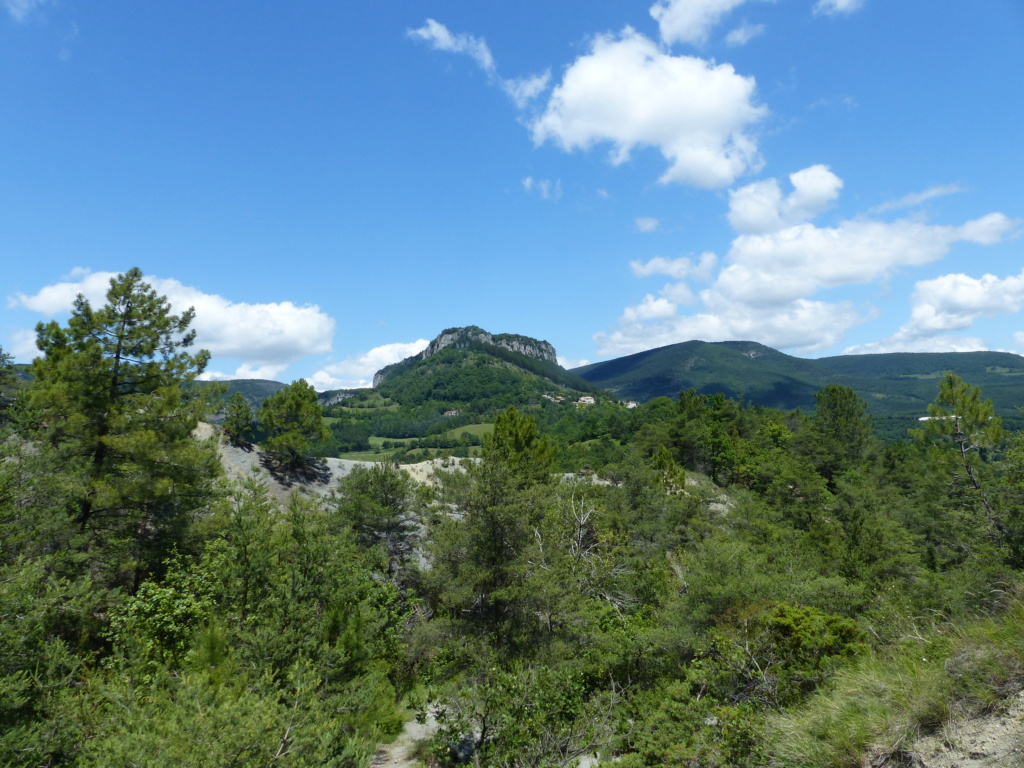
(472, 335)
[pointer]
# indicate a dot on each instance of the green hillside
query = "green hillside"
(468, 373)
(896, 386)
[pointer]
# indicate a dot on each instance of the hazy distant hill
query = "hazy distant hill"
(253, 390)
(895, 386)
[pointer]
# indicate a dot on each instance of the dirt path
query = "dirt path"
(398, 754)
(993, 741)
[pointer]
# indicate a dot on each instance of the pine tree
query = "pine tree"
(961, 417)
(8, 381)
(238, 420)
(113, 390)
(293, 421)
(839, 433)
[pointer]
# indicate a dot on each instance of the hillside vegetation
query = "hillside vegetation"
(729, 585)
(897, 386)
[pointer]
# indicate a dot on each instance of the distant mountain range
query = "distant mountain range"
(469, 367)
(898, 385)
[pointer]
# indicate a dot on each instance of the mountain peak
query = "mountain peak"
(472, 335)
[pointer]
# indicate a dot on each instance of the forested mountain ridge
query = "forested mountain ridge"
(255, 391)
(466, 367)
(472, 335)
(896, 385)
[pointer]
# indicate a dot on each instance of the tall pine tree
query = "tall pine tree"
(114, 391)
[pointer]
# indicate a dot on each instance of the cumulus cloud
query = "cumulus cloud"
(521, 90)
(951, 303)
(690, 21)
(650, 308)
(765, 289)
(760, 207)
(265, 337)
(356, 372)
(834, 7)
(572, 362)
(744, 33)
(628, 92)
(784, 328)
(646, 224)
(777, 267)
(680, 269)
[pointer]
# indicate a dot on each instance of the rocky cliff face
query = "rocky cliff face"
(464, 337)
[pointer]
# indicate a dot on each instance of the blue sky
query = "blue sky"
(331, 184)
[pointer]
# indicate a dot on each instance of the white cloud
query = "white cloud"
(833, 7)
(441, 39)
(802, 325)
(357, 372)
(570, 362)
(933, 344)
(916, 198)
(628, 92)
(20, 10)
(650, 308)
(23, 349)
(765, 290)
(245, 371)
(760, 207)
(646, 224)
(678, 293)
(950, 303)
(680, 269)
(953, 302)
(522, 90)
(58, 298)
(271, 334)
(690, 21)
(744, 33)
(798, 261)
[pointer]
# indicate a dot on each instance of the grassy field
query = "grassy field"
(378, 453)
(382, 455)
(366, 455)
(478, 430)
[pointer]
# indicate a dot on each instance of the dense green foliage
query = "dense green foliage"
(897, 387)
(478, 377)
(292, 422)
(720, 589)
(148, 615)
(238, 420)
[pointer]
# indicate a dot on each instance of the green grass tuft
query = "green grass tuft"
(882, 703)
